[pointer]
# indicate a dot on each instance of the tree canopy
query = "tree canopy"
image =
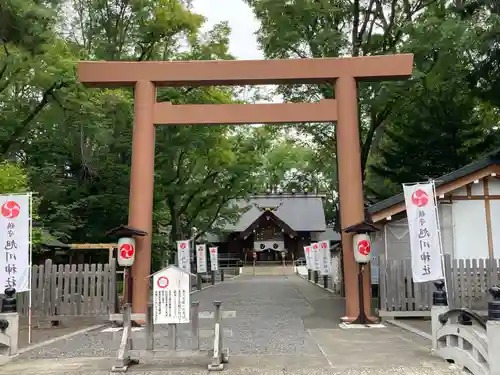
(72, 145)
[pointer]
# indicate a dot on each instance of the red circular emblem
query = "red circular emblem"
(419, 198)
(162, 282)
(315, 245)
(308, 249)
(323, 245)
(183, 245)
(364, 247)
(126, 251)
(213, 250)
(10, 209)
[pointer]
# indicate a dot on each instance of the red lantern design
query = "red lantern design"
(126, 251)
(362, 248)
(420, 198)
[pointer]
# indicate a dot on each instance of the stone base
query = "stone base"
(349, 319)
(360, 326)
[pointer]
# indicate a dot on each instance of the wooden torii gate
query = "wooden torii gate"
(343, 73)
(96, 246)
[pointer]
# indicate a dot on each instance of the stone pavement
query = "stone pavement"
(276, 325)
(44, 331)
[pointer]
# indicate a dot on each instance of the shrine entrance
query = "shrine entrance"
(343, 73)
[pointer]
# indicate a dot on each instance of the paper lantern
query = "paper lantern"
(126, 251)
(362, 247)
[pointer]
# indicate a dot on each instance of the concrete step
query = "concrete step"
(268, 270)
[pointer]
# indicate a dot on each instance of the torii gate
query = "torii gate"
(144, 77)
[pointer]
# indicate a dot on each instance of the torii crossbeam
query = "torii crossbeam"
(341, 72)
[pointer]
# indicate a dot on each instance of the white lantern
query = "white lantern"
(126, 251)
(362, 247)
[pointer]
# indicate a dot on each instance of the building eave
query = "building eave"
(444, 184)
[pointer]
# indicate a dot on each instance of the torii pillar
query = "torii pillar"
(344, 73)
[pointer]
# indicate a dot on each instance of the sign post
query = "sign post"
(254, 255)
(171, 299)
(213, 263)
(308, 256)
(214, 258)
(171, 296)
(316, 261)
(325, 261)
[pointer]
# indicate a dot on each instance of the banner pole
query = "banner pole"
(438, 224)
(30, 266)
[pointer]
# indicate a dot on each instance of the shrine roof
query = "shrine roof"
(302, 212)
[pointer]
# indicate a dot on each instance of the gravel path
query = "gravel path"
(277, 325)
(269, 315)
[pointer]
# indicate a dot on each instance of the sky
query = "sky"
(243, 24)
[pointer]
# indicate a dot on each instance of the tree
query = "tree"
(305, 28)
(452, 45)
(439, 125)
(75, 145)
(14, 179)
(485, 78)
(294, 164)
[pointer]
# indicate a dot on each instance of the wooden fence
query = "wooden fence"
(467, 280)
(71, 290)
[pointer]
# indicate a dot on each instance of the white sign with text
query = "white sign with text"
(171, 296)
(15, 239)
(316, 257)
(309, 257)
(325, 258)
(201, 258)
(214, 258)
(183, 255)
(425, 244)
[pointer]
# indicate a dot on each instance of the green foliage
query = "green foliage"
(441, 119)
(27, 23)
(13, 178)
(440, 124)
(74, 142)
(72, 145)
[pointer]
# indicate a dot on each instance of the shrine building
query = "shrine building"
(274, 223)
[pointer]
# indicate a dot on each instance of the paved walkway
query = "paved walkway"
(276, 325)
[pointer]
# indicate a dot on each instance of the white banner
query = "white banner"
(183, 255)
(315, 257)
(214, 258)
(308, 256)
(325, 258)
(15, 239)
(425, 244)
(201, 258)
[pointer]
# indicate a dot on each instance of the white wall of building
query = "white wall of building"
(494, 189)
(469, 222)
(463, 227)
(495, 225)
